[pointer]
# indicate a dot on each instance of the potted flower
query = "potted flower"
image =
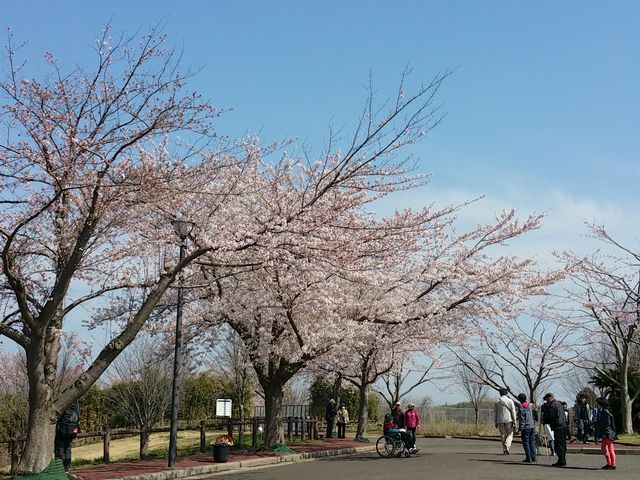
(221, 447)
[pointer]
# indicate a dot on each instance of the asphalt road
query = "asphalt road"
(448, 459)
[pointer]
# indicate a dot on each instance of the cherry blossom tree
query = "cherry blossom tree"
(92, 165)
(287, 304)
(286, 316)
(95, 164)
(370, 356)
(605, 307)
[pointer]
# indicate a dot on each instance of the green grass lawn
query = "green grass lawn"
(129, 448)
(629, 438)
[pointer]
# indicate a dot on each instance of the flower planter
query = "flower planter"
(221, 453)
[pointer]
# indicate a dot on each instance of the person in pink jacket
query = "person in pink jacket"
(412, 423)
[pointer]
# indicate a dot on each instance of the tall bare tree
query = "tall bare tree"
(141, 385)
(473, 386)
(527, 355)
(605, 307)
(409, 375)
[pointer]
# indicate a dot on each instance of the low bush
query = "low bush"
(457, 429)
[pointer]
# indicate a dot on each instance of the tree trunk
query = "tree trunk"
(38, 449)
(241, 427)
(361, 429)
(144, 442)
(273, 395)
(626, 405)
(337, 386)
(41, 427)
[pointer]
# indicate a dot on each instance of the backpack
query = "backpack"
(68, 425)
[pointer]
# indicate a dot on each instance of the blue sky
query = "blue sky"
(542, 111)
(544, 97)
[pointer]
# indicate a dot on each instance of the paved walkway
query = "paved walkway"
(446, 459)
(471, 458)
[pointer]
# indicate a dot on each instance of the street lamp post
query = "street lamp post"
(182, 228)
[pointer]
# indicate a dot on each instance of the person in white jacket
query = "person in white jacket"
(506, 420)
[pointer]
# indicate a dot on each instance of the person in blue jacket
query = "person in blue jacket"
(527, 418)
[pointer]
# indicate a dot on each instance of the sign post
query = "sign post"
(223, 407)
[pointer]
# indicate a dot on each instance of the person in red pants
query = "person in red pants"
(606, 429)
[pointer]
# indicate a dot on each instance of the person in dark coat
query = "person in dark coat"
(330, 417)
(67, 429)
(548, 432)
(557, 419)
(398, 415)
(606, 430)
(583, 418)
(569, 416)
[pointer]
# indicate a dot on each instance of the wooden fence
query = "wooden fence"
(293, 427)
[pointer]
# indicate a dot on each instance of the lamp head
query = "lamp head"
(182, 227)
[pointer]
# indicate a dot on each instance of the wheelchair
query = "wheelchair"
(391, 445)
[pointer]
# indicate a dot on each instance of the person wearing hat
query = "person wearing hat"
(330, 417)
(557, 419)
(412, 423)
(398, 415)
(342, 420)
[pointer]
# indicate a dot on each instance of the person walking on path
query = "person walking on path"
(398, 415)
(557, 420)
(595, 416)
(569, 416)
(527, 417)
(412, 422)
(330, 417)
(544, 412)
(606, 430)
(67, 429)
(342, 418)
(583, 418)
(506, 420)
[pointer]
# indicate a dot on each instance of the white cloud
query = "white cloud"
(563, 228)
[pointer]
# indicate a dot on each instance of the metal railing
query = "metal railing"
(459, 415)
(302, 411)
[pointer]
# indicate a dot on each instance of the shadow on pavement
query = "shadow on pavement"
(537, 464)
(371, 457)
